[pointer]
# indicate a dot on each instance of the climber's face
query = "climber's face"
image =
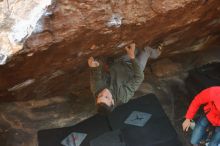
(105, 96)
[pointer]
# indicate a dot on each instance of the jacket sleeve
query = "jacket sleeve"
(202, 98)
(132, 85)
(215, 118)
(214, 114)
(96, 82)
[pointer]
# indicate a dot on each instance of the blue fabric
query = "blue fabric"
(200, 131)
(215, 140)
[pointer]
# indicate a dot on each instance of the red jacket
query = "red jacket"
(210, 97)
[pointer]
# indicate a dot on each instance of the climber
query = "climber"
(209, 97)
(125, 74)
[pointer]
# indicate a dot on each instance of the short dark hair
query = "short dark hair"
(104, 109)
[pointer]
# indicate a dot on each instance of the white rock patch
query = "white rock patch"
(18, 20)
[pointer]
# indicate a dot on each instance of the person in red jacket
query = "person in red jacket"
(210, 98)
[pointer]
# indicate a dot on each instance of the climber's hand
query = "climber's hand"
(131, 50)
(93, 47)
(92, 62)
(186, 125)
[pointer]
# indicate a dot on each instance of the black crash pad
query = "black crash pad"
(93, 127)
(158, 130)
(147, 103)
(112, 138)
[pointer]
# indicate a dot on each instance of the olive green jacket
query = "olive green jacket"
(123, 80)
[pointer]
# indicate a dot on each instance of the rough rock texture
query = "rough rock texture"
(20, 120)
(53, 61)
(18, 19)
(166, 67)
(50, 70)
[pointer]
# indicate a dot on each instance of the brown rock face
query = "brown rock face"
(165, 68)
(53, 61)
